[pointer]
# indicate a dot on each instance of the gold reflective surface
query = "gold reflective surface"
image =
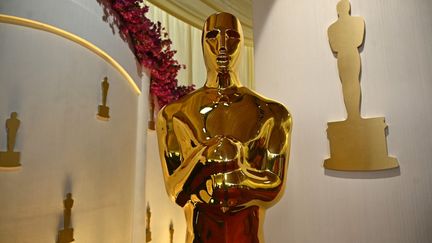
(224, 148)
(356, 144)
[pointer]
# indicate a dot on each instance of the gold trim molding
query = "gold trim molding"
(8, 19)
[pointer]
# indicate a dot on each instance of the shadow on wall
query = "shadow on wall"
(364, 175)
(262, 15)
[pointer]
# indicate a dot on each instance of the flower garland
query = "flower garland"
(151, 46)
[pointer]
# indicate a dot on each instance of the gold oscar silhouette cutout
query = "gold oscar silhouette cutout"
(171, 230)
(66, 234)
(224, 148)
(11, 159)
(148, 231)
(103, 110)
(356, 144)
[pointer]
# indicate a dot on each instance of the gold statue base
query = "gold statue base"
(358, 145)
(65, 236)
(103, 113)
(10, 159)
(148, 236)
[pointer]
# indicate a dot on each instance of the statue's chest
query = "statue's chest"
(240, 119)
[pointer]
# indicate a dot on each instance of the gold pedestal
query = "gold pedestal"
(103, 113)
(10, 159)
(65, 236)
(148, 236)
(359, 145)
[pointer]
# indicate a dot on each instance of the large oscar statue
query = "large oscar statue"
(224, 149)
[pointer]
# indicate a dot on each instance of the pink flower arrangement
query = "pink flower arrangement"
(151, 46)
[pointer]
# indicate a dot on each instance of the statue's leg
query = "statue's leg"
(67, 218)
(349, 73)
(11, 136)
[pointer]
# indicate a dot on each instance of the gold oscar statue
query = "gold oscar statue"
(356, 144)
(11, 159)
(103, 110)
(148, 219)
(224, 148)
(66, 234)
(171, 231)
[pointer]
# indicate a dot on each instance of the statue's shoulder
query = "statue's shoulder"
(169, 110)
(279, 110)
(358, 18)
(333, 27)
(273, 107)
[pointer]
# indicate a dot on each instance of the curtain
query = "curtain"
(186, 40)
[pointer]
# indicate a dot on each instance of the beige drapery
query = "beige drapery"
(186, 40)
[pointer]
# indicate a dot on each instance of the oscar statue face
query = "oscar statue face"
(222, 40)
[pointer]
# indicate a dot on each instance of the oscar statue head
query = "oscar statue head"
(343, 8)
(222, 39)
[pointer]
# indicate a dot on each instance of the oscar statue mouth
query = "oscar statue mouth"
(222, 60)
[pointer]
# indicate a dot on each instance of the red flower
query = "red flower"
(151, 47)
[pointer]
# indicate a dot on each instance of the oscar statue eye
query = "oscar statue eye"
(233, 34)
(212, 34)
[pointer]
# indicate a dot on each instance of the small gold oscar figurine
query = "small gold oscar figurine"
(103, 110)
(171, 230)
(356, 144)
(224, 148)
(148, 231)
(151, 122)
(66, 234)
(11, 159)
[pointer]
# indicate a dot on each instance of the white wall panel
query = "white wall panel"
(295, 66)
(80, 17)
(54, 85)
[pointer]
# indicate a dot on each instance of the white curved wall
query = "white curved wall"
(54, 85)
(163, 209)
(80, 17)
(294, 65)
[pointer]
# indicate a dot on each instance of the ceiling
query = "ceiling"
(195, 12)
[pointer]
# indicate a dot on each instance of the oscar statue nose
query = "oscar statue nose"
(222, 50)
(222, 47)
